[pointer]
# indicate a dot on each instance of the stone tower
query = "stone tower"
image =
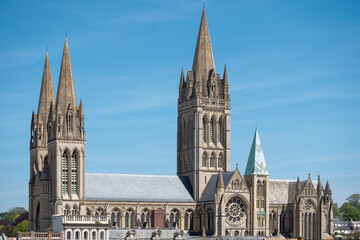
(39, 186)
(203, 137)
(66, 145)
(257, 179)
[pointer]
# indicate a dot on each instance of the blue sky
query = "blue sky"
(293, 66)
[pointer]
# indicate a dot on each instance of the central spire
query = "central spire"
(203, 58)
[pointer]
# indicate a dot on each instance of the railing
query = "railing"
(85, 219)
(39, 236)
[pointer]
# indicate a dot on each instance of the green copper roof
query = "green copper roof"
(256, 162)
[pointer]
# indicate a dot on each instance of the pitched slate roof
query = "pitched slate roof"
(283, 191)
(256, 163)
(210, 189)
(134, 188)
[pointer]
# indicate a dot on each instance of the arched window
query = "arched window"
(64, 173)
(174, 219)
(219, 131)
(85, 235)
(93, 235)
(212, 160)
(209, 220)
(73, 173)
(145, 219)
(204, 160)
(74, 210)
(68, 235)
(100, 212)
(115, 218)
(77, 235)
(189, 215)
(204, 130)
(67, 210)
(129, 219)
(220, 161)
(88, 212)
(102, 235)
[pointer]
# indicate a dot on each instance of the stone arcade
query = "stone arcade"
(206, 196)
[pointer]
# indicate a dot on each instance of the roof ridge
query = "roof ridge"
(127, 174)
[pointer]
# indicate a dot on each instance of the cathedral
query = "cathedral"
(206, 198)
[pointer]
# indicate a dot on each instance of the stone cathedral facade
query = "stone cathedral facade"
(205, 198)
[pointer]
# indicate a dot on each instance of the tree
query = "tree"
(336, 210)
(350, 212)
(22, 227)
(22, 217)
(354, 200)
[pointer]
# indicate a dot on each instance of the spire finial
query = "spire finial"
(256, 124)
(309, 175)
(203, 4)
(65, 34)
(236, 165)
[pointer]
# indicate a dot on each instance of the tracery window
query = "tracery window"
(73, 173)
(67, 210)
(174, 218)
(204, 160)
(235, 210)
(74, 210)
(212, 160)
(115, 218)
(189, 215)
(220, 161)
(145, 219)
(129, 219)
(64, 173)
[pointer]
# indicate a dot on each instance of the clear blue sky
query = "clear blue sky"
(293, 66)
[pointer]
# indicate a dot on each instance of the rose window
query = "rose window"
(235, 210)
(308, 205)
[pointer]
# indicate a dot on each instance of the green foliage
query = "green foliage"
(336, 210)
(22, 227)
(12, 214)
(354, 200)
(350, 212)
(13, 221)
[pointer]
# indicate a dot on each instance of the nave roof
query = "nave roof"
(137, 188)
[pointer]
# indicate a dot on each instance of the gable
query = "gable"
(236, 183)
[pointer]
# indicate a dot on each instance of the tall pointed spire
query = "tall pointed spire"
(66, 90)
(256, 164)
(327, 187)
(46, 93)
(203, 58)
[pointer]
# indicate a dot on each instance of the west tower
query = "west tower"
(39, 184)
(203, 136)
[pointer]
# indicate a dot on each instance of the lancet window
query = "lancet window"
(115, 218)
(64, 173)
(174, 218)
(73, 173)
(145, 219)
(189, 215)
(212, 160)
(220, 161)
(203, 160)
(129, 219)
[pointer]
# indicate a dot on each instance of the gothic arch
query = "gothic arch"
(189, 220)
(174, 218)
(37, 220)
(130, 217)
